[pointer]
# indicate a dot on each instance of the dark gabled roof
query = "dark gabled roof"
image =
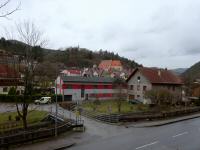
(87, 79)
(158, 76)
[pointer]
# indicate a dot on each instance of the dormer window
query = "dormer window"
(138, 78)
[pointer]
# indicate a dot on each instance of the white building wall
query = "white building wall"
(76, 93)
(19, 89)
(138, 93)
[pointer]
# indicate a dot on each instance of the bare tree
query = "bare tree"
(163, 96)
(5, 13)
(32, 38)
(120, 95)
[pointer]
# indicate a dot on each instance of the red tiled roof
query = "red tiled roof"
(8, 72)
(116, 63)
(107, 64)
(158, 76)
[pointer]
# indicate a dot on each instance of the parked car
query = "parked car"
(43, 100)
(134, 101)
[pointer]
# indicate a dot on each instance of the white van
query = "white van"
(43, 100)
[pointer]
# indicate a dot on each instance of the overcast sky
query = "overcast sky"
(161, 33)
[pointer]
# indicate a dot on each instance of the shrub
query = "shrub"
(97, 102)
(197, 102)
(29, 99)
(53, 98)
(17, 118)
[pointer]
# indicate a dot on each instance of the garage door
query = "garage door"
(67, 97)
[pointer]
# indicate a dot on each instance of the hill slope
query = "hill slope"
(193, 72)
(70, 57)
(179, 71)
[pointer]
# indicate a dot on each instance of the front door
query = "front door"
(86, 97)
(131, 97)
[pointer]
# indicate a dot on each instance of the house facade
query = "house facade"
(145, 79)
(9, 78)
(85, 88)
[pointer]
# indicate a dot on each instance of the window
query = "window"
(138, 78)
(131, 87)
(82, 91)
(5, 89)
(173, 88)
(138, 87)
(138, 96)
(144, 88)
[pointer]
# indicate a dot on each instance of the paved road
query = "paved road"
(183, 135)
(178, 136)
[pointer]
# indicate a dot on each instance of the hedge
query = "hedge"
(29, 99)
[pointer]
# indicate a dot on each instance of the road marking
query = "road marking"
(147, 145)
(179, 134)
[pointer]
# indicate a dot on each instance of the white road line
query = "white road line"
(179, 134)
(147, 145)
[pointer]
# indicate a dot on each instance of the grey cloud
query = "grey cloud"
(155, 33)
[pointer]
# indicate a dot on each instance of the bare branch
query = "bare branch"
(4, 4)
(7, 13)
(29, 34)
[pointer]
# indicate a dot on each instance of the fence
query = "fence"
(40, 133)
(138, 116)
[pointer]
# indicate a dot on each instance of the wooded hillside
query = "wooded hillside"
(71, 57)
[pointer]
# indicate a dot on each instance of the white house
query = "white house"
(144, 79)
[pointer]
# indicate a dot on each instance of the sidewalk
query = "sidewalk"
(161, 122)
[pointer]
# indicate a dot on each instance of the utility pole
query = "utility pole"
(56, 120)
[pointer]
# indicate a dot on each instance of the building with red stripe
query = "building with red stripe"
(74, 88)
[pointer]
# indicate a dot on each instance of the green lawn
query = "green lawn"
(33, 117)
(104, 107)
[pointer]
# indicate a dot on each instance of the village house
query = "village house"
(74, 88)
(144, 79)
(110, 64)
(9, 78)
(71, 72)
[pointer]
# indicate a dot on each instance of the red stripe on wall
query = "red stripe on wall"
(88, 86)
(76, 86)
